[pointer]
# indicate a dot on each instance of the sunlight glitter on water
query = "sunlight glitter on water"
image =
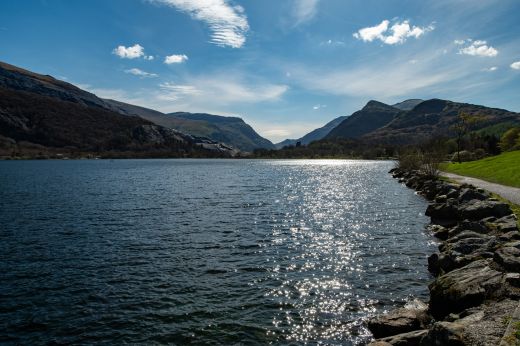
(206, 251)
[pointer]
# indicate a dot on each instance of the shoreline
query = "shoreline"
(474, 297)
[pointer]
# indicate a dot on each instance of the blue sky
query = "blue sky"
(285, 66)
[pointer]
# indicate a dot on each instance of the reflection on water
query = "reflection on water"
(205, 251)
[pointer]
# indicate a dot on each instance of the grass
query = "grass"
(501, 169)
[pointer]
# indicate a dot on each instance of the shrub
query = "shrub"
(464, 156)
(510, 140)
(410, 160)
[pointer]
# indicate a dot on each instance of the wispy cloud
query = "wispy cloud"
(172, 92)
(332, 43)
(490, 69)
(133, 52)
(318, 106)
(304, 10)
(141, 73)
(223, 90)
(476, 48)
(175, 59)
(398, 33)
(515, 65)
(227, 22)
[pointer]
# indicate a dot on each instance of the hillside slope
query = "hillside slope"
(43, 113)
(231, 131)
(435, 118)
(371, 117)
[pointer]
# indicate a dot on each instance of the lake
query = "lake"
(205, 251)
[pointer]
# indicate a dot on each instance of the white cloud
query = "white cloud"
(515, 65)
(140, 73)
(318, 106)
(304, 10)
(478, 48)
(133, 52)
(396, 34)
(228, 23)
(490, 69)
(459, 42)
(175, 59)
(371, 33)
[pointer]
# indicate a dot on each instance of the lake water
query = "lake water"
(205, 251)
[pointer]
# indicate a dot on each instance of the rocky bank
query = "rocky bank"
(474, 298)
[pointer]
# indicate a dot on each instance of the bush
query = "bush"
(510, 140)
(464, 156)
(409, 160)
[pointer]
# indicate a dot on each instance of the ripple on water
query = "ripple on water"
(204, 251)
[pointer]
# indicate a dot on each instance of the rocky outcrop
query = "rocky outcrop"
(477, 270)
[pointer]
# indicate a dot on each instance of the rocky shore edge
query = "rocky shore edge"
(474, 298)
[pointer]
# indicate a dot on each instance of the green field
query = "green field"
(502, 169)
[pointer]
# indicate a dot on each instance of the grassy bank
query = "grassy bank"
(502, 169)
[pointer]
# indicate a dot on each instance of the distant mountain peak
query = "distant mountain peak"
(407, 105)
(373, 104)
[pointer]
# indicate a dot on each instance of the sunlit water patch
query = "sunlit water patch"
(205, 251)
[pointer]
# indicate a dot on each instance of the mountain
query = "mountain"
(39, 113)
(371, 117)
(232, 131)
(434, 118)
(229, 130)
(407, 105)
(314, 135)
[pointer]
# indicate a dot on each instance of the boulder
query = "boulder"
(477, 210)
(443, 211)
(412, 317)
(507, 224)
(438, 231)
(450, 333)
(510, 236)
(509, 258)
(468, 245)
(465, 287)
(379, 343)
(405, 339)
(468, 194)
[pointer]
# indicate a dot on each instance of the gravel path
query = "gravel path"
(510, 193)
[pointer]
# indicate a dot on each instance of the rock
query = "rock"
(412, 317)
(452, 193)
(513, 279)
(465, 235)
(509, 236)
(465, 246)
(440, 264)
(465, 287)
(509, 258)
(507, 223)
(475, 226)
(467, 195)
(450, 333)
(438, 231)
(441, 199)
(477, 210)
(443, 211)
(379, 343)
(405, 339)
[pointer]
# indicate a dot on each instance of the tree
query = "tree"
(464, 124)
(510, 139)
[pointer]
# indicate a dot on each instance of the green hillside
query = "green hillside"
(502, 169)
